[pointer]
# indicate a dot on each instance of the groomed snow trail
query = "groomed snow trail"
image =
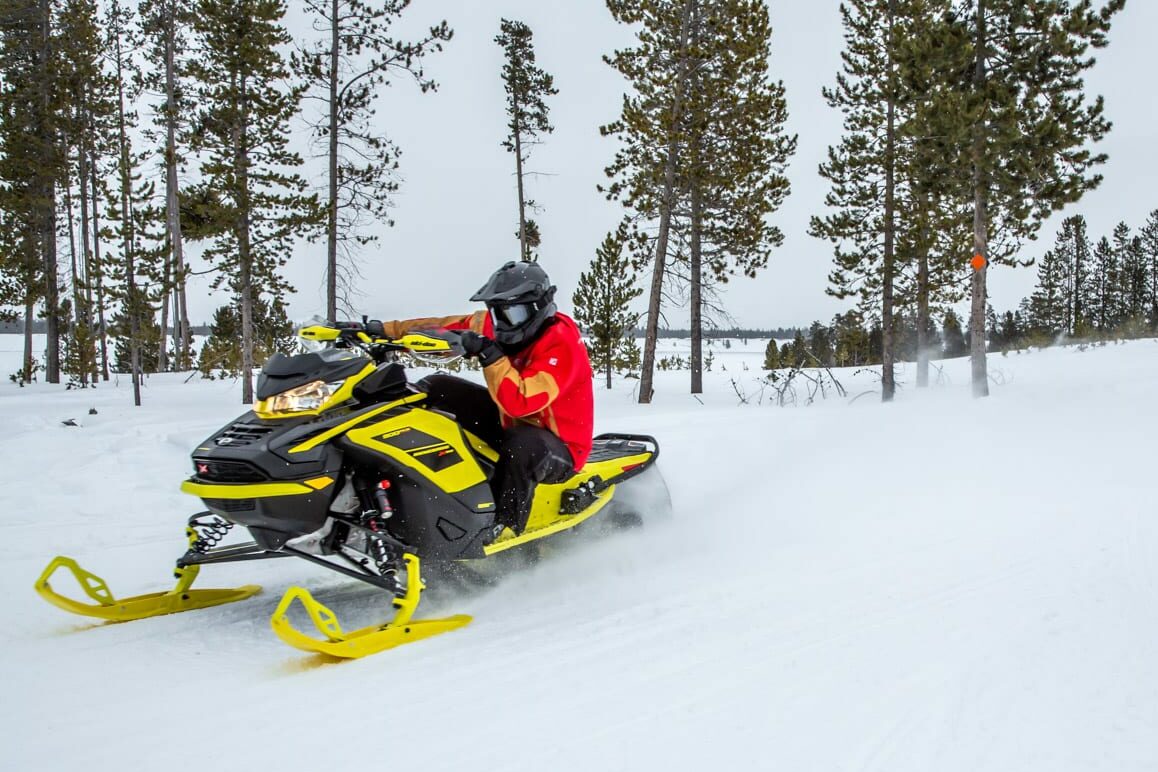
(833, 592)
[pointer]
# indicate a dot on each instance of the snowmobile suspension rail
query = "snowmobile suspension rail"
(233, 554)
(365, 576)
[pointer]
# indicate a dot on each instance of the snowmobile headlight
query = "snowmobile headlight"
(308, 397)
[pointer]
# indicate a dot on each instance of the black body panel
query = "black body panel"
(437, 524)
(282, 372)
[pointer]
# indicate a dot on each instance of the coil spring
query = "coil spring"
(206, 531)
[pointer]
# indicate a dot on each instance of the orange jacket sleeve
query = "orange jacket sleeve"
(522, 393)
(396, 328)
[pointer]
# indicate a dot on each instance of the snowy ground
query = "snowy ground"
(938, 584)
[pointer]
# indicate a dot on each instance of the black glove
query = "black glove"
(475, 345)
(375, 328)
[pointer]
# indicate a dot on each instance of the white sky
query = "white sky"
(457, 210)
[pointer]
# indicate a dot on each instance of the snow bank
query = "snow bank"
(937, 584)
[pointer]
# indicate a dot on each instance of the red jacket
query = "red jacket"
(547, 384)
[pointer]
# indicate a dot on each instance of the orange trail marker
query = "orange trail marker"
(978, 262)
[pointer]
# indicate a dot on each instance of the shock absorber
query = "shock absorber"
(375, 502)
(383, 501)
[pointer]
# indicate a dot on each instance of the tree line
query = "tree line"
(966, 124)
(127, 130)
(1085, 292)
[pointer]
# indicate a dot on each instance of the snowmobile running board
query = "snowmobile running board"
(367, 640)
(510, 540)
(155, 604)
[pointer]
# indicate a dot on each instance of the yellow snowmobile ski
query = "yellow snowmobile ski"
(180, 598)
(368, 640)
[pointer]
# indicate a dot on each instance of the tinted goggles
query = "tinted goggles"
(512, 315)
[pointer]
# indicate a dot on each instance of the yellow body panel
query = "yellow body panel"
(329, 434)
(253, 490)
(480, 447)
(548, 524)
(545, 509)
(445, 438)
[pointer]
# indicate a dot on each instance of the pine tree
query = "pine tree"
(820, 344)
(851, 339)
(88, 107)
(1106, 272)
(772, 356)
(1073, 242)
(953, 336)
(703, 150)
(867, 169)
(1127, 280)
(651, 131)
(32, 164)
(602, 306)
(222, 353)
(1049, 304)
(134, 273)
(527, 88)
(164, 26)
(934, 221)
(1023, 126)
(344, 73)
(243, 134)
(1149, 236)
(736, 155)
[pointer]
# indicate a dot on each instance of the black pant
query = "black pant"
(528, 455)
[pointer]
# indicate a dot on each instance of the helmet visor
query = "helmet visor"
(512, 315)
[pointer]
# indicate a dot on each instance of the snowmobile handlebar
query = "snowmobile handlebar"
(431, 346)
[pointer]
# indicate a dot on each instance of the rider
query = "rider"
(537, 408)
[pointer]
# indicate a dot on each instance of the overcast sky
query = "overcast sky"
(457, 214)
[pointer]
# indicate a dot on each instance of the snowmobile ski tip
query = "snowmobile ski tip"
(154, 604)
(368, 640)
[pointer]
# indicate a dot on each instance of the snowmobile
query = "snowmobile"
(342, 462)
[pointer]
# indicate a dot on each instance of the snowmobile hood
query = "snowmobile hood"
(282, 372)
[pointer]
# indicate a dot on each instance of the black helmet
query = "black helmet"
(520, 298)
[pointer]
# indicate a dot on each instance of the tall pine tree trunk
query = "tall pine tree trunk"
(128, 238)
(29, 311)
(1078, 310)
(888, 355)
(519, 176)
(332, 203)
(666, 205)
(172, 195)
(98, 266)
(922, 316)
(697, 363)
(980, 225)
(46, 187)
(86, 253)
(51, 287)
(163, 343)
(244, 253)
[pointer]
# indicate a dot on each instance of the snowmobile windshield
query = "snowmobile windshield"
(307, 345)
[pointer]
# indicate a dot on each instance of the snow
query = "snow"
(941, 583)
